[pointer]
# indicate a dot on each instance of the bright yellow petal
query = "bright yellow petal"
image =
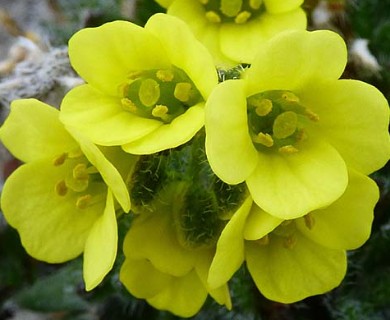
(259, 223)
(105, 56)
(142, 279)
(101, 246)
(240, 42)
(354, 118)
(101, 118)
(278, 6)
(32, 131)
(184, 51)
(283, 64)
(51, 227)
(289, 275)
(153, 237)
(183, 297)
(179, 131)
(230, 248)
(289, 186)
(229, 146)
(346, 223)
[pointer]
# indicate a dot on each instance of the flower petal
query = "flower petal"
(101, 246)
(153, 237)
(101, 117)
(278, 6)
(105, 56)
(184, 51)
(229, 147)
(289, 186)
(179, 131)
(230, 248)
(142, 279)
(289, 275)
(240, 42)
(259, 223)
(183, 297)
(32, 131)
(282, 63)
(51, 227)
(346, 223)
(354, 118)
(109, 173)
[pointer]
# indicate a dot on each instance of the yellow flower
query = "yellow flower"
(168, 258)
(232, 29)
(145, 88)
(61, 200)
(290, 260)
(290, 128)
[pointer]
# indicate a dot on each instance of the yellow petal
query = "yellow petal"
(101, 246)
(278, 6)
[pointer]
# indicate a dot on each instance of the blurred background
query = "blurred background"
(34, 63)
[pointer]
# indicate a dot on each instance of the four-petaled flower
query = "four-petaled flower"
(290, 128)
(61, 200)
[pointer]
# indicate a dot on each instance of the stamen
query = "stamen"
(128, 105)
(80, 172)
(75, 153)
(230, 8)
(309, 221)
(263, 241)
(165, 75)
(290, 242)
(182, 91)
(204, 1)
(285, 124)
(301, 135)
(290, 97)
(311, 115)
(263, 106)
(213, 17)
(149, 92)
(160, 111)
(255, 4)
(242, 17)
(61, 188)
(132, 75)
(83, 201)
(289, 149)
(59, 160)
(264, 138)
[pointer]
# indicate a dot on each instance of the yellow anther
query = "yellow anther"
(309, 221)
(59, 160)
(263, 107)
(165, 75)
(149, 92)
(204, 1)
(290, 242)
(160, 111)
(182, 91)
(311, 115)
(213, 17)
(230, 8)
(255, 4)
(265, 139)
(290, 97)
(80, 172)
(83, 201)
(75, 153)
(61, 188)
(242, 17)
(128, 105)
(132, 75)
(301, 135)
(289, 149)
(285, 124)
(263, 241)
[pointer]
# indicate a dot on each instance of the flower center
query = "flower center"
(160, 94)
(276, 121)
(80, 178)
(234, 11)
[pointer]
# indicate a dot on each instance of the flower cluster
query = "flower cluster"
(229, 140)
